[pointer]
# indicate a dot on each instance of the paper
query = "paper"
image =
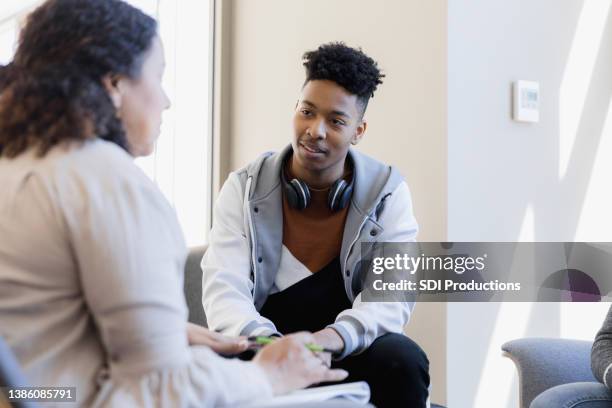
(358, 392)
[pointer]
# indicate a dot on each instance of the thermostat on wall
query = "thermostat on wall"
(526, 101)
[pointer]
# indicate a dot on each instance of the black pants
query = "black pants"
(395, 367)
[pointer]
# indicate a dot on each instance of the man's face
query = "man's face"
(327, 120)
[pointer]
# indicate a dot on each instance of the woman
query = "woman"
(91, 254)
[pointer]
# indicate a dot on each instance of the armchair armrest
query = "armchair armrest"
(544, 363)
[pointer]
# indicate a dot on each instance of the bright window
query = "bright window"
(7, 40)
(181, 163)
(12, 13)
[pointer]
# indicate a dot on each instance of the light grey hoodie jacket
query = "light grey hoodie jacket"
(246, 240)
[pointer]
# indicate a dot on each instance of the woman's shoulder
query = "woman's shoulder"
(94, 162)
(95, 155)
(78, 163)
(97, 169)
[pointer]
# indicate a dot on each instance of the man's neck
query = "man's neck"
(317, 180)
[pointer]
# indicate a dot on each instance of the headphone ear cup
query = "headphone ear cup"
(298, 194)
(339, 195)
(290, 194)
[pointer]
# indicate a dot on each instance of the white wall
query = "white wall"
(524, 182)
(407, 116)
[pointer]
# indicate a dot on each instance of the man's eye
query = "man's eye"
(338, 122)
(305, 112)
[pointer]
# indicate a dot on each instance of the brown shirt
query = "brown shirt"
(313, 235)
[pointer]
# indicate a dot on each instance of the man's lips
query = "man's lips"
(312, 149)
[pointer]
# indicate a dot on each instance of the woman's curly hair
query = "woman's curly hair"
(53, 91)
(348, 67)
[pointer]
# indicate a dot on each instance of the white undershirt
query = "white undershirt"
(290, 271)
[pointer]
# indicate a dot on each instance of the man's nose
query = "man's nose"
(317, 129)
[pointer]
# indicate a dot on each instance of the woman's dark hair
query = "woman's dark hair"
(53, 91)
(348, 67)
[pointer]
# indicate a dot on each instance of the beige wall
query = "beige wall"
(407, 117)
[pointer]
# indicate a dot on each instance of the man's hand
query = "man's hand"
(198, 335)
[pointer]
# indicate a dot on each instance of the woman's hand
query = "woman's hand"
(329, 339)
(290, 365)
(198, 335)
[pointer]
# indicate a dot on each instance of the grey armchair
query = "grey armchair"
(192, 285)
(545, 363)
(11, 376)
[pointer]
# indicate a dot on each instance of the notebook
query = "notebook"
(358, 392)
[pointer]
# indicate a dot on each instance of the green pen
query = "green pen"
(263, 340)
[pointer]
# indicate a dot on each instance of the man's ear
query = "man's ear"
(112, 85)
(359, 132)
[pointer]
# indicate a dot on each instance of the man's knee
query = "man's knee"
(400, 355)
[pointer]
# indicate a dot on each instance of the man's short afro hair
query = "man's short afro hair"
(348, 67)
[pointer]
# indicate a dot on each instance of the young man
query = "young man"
(284, 250)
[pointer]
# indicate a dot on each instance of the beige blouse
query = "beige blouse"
(91, 270)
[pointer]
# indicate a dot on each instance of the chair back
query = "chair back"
(193, 285)
(11, 375)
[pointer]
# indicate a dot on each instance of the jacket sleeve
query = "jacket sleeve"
(366, 321)
(601, 355)
(227, 287)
